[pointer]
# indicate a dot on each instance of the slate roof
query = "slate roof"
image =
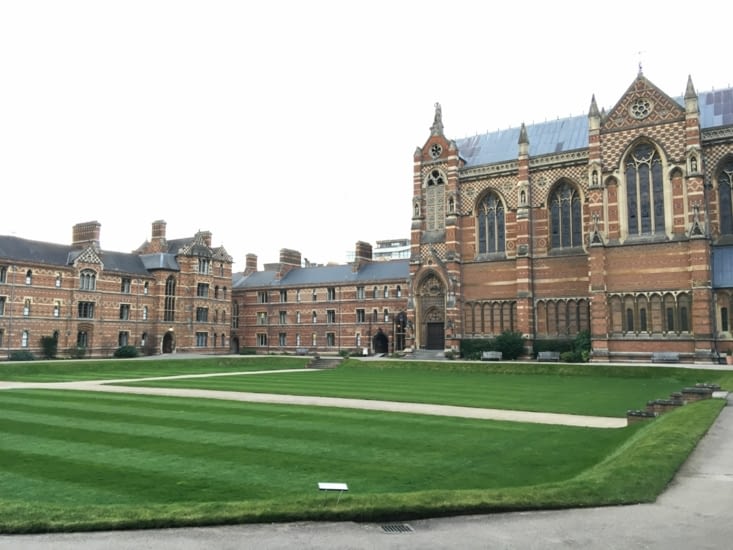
(343, 274)
(160, 261)
(37, 252)
(569, 134)
(716, 108)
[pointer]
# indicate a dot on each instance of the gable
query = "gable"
(643, 104)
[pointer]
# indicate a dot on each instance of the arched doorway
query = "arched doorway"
(434, 329)
(380, 342)
(234, 344)
(430, 306)
(169, 343)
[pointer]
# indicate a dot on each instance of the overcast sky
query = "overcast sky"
(292, 124)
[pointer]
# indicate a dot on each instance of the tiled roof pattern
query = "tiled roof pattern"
(568, 134)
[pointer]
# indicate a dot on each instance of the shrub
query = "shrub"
(472, 348)
(572, 357)
(554, 345)
(78, 352)
(510, 344)
(21, 355)
(49, 347)
(125, 352)
(247, 351)
(582, 343)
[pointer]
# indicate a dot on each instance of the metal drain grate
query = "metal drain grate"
(396, 528)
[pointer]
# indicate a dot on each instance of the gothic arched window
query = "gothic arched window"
(644, 191)
(490, 224)
(88, 280)
(565, 219)
(435, 200)
(169, 306)
(725, 202)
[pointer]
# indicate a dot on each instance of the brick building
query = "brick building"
(291, 307)
(169, 295)
(618, 222)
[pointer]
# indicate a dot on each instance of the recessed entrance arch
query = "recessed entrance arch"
(169, 342)
(380, 342)
(430, 312)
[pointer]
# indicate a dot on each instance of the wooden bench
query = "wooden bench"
(548, 356)
(301, 351)
(491, 356)
(665, 357)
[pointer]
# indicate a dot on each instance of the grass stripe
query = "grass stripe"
(370, 449)
(600, 396)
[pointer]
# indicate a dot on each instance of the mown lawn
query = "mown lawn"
(72, 460)
(64, 371)
(571, 389)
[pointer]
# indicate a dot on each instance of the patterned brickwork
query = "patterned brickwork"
(558, 291)
(659, 108)
(670, 137)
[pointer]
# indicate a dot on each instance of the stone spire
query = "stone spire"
(691, 105)
(594, 116)
(523, 140)
(437, 128)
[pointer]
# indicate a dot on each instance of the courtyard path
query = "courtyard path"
(111, 386)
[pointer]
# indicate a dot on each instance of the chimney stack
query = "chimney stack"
(250, 264)
(362, 255)
(206, 237)
(289, 259)
(85, 234)
(158, 241)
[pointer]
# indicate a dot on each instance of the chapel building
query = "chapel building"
(619, 223)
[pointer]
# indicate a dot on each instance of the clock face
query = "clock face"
(435, 150)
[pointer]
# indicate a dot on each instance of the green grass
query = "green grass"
(64, 371)
(72, 460)
(586, 390)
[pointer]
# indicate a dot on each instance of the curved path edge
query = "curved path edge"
(109, 386)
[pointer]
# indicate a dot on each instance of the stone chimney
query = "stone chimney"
(86, 234)
(250, 264)
(362, 255)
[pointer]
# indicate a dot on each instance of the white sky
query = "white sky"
(292, 124)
